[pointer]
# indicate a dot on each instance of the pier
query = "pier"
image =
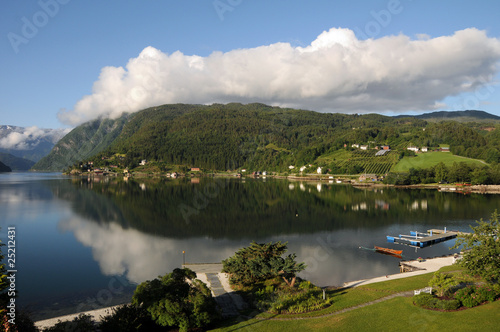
(422, 240)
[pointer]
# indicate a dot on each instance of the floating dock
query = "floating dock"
(421, 240)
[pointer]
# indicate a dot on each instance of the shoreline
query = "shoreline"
(330, 179)
(423, 267)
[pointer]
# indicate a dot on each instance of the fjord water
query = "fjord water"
(83, 243)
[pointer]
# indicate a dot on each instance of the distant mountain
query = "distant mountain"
(30, 143)
(82, 142)
(458, 116)
(4, 168)
(16, 163)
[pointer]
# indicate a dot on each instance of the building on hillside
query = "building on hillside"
(369, 177)
(143, 162)
(319, 170)
(425, 149)
(385, 147)
(195, 169)
(413, 148)
(363, 147)
(444, 149)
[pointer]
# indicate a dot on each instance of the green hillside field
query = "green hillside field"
(430, 159)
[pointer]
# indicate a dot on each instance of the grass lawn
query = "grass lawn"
(430, 159)
(391, 315)
(398, 314)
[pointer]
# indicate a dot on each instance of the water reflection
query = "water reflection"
(138, 228)
(234, 209)
(140, 256)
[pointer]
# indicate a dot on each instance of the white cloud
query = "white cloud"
(20, 138)
(139, 256)
(336, 72)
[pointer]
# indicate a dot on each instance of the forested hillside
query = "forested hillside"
(4, 168)
(257, 136)
(82, 142)
(459, 116)
(254, 136)
(16, 163)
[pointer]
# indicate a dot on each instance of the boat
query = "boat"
(389, 251)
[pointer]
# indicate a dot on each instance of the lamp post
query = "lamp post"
(183, 257)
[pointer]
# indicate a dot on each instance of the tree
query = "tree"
(459, 172)
(260, 262)
(177, 299)
(441, 172)
(480, 176)
(441, 282)
(482, 249)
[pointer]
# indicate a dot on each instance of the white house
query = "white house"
(364, 147)
(424, 149)
(291, 167)
(413, 148)
(355, 146)
(318, 170)
(303, 168)
(143, 162)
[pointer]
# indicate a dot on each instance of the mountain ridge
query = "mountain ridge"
(460, 116)
(228, 136)
(16, 163)
(31, 143)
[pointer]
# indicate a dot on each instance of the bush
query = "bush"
(442, 282)
(275, 297)
(430, 302)
(177, 299)
(306, 298)
(425, 300)
(448, 304)
(299, 302)
(128, 318)
(472, 296)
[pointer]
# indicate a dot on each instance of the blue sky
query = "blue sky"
(53, 53)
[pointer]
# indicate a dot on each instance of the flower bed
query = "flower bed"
(473, 295)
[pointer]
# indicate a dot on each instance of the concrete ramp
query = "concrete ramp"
(228, 301)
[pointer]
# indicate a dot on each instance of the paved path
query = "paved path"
(426, 266)
(228, 301)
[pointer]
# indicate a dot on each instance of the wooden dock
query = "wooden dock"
(421, 240)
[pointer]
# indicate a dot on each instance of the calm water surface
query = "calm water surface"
(83, 243)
